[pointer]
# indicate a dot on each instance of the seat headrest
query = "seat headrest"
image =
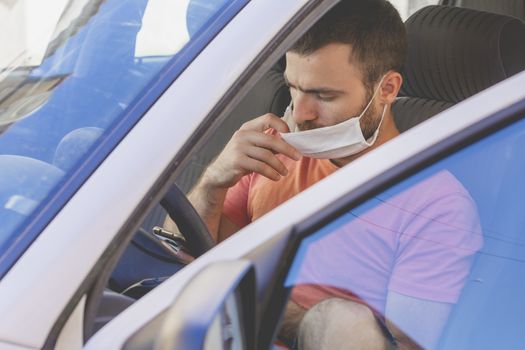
(453, 53)
(514, 8)
(75, 144)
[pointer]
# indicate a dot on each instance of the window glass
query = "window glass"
(439, 256)
(100, 63)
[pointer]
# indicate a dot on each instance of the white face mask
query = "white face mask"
(331, 142)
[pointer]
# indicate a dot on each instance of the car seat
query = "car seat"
(75, 144)
(515, 8)
(454, 53)
(24, 183)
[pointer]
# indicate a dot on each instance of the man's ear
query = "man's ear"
(390, 87)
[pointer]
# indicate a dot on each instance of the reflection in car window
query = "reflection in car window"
(96, 69)
(438, 256)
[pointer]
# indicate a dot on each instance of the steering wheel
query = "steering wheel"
(152, 256)
(180, 210)
(139, 282)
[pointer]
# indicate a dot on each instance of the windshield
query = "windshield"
(66, 103)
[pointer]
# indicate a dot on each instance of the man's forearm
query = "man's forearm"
(208, 201)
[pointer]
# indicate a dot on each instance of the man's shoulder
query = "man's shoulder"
(421, 191)
(443, 183)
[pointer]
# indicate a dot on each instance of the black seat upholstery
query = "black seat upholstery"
(454, 53)
(515, 8)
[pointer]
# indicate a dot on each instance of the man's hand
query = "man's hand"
(251, 150)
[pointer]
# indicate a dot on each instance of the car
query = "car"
(107, 131)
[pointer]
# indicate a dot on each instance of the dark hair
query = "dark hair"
(374, 30)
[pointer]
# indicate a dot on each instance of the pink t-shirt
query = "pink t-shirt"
(418, 240)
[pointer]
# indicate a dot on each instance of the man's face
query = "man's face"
(327, 89)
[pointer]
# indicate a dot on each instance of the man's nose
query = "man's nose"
(303, 108)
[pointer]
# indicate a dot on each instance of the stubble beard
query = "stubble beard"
(371, 118)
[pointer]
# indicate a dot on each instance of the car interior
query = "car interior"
(456, 49)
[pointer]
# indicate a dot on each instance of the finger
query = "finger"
(267, 157)
(272, 143)
(266, 122)
(262, 168)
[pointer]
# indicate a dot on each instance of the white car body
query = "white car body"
(45, 286)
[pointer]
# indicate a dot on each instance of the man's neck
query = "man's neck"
(387, 132)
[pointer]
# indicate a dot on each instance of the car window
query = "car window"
(61, 115)
(142, 258)
(439, 255)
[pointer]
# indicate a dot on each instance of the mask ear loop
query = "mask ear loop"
(373, 139)
(373, 96)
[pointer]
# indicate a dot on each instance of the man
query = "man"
(343, 75)
(328, 85)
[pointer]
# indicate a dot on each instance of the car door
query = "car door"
(461, 247)
(471, 150)
(484, 290)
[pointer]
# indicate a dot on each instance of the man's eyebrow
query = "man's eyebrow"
(315, 90)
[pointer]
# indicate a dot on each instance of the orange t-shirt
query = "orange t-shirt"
(417, 240)
(255, 195)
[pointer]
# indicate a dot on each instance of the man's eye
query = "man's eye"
(325, 97)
